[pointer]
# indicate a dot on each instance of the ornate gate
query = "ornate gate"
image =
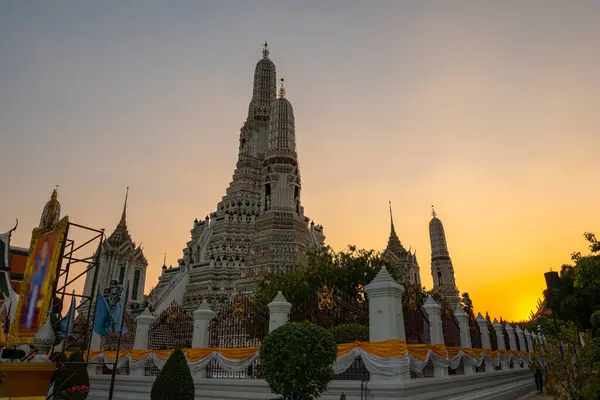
(475, 332)
(345, 315)
(173, 328)
(450, 326)
(416, 323)
(111, 342)
(239, 324)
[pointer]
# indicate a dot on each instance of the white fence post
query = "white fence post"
(386, 321)
(279, 312)
(511, 336)
(143, 322)
(465, 335)
(485, 339)
(522, 344)
(434, 313)
(501, 343)
(200, 339)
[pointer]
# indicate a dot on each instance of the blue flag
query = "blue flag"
(117, 313)
(67, 323)
(102, 320)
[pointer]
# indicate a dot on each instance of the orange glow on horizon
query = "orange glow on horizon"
(488, 110)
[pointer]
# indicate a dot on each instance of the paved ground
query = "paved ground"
(536, 396)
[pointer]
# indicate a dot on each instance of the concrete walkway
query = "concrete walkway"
(536, 396)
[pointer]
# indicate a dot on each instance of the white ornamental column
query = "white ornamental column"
(434, 313)
(143, 322)
(279, 312)
(202, 317)
(485, 339)
(500, 339)
(522, 344)
(465, 335)
(95, 341)
(386, 321)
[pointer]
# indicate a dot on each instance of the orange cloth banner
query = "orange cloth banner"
(384, 349)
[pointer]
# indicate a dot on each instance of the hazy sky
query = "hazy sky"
(484, 109)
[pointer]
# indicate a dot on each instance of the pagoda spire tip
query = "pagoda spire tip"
(282, 90)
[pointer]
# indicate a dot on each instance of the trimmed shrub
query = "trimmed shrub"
(175, 380)
(350, 333)
(297, 360)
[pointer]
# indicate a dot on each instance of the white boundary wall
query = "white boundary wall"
(498, 385)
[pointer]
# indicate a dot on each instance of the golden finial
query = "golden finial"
(433, 213)
(265, 50)
(282, 90)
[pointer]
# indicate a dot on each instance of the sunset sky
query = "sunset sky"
(488, 110)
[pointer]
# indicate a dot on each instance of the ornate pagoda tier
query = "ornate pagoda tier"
(259, 225)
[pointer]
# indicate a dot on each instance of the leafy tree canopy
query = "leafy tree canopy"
(345, 270)
(577, 296)
(579, 377)
(348, 270)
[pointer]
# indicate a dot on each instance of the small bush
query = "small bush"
(350, 333)
(297, 360)
(175, 380)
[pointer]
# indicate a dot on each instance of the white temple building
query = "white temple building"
(259, 226)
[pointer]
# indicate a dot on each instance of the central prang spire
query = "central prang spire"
(264, 90)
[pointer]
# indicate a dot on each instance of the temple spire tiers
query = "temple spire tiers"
(442, 269)
(259, 225)
(51, 213)
(121, 260)
(398, 257)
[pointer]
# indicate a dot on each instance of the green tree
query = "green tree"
(175, 380)
(574, 367)
(577, 296)
(297, 360)
(348, 270)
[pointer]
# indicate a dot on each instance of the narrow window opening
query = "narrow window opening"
(267, 196)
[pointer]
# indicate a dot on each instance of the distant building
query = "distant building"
(442, 269)
(121, 260)
(396, 256)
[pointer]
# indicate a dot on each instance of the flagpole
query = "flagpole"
(114, 369)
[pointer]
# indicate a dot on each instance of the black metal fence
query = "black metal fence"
(475, 332)
(345, 315)
(173, 328)
(451, 327)
(239, 324)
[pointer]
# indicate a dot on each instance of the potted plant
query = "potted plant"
(72, 380)
(78, 392)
